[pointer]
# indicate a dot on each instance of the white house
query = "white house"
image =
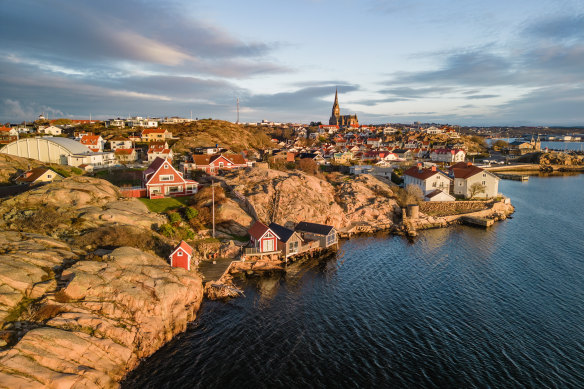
(438, 195)
(434, 130)
(119, 142)
(471, 181)
(427, 179)
(96, 160)
(448, 155)
(51, 130)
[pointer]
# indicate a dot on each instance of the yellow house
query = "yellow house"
(38, 175)
(343, 158)
(155, 135)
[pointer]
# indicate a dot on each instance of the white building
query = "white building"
(51, 130)
(96, 160)
(471, 181)
(438, 195)
(63, 151)
(448, 155)
(120, 143)
(427, 179)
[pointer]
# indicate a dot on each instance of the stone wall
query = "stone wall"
(442, 208)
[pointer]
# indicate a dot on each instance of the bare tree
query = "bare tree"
(476, 189)
(415, 194)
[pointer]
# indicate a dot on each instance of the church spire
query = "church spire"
(336, 109)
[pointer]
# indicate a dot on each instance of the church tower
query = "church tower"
(336, 112)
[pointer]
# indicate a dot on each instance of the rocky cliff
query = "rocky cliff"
(72, 316)
(291, 197)
(88, 324)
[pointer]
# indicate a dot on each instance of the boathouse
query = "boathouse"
(181, 256)
(263, 239)
(326, 235)
(290, 242)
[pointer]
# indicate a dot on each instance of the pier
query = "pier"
(513, 177)
(477, 221)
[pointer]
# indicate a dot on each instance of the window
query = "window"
(167, 177)
(166, 166)
(49, 176)
(220, 164)
(484, 182)
(179, 253)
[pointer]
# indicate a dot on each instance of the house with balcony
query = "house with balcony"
(161, 179)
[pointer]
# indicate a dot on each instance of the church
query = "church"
(341, 120)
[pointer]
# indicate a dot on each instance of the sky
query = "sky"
(465, 62)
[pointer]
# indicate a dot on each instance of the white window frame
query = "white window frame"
(167, 177)
(179, 253)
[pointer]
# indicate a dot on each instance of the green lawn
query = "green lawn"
(166, 204)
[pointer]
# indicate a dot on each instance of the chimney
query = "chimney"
(469, 164)
(433, 168)
(420, 167)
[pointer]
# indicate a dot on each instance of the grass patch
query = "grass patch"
(165, 204)
(124, 177)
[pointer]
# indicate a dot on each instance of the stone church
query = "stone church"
(341, 120)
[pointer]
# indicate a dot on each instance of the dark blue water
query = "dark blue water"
(459, 307)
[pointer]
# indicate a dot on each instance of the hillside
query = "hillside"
(11, 166)
(207, 132)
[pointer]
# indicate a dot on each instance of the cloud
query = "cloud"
(561, 27)
(155, 35)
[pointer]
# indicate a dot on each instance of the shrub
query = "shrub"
(167, 230)
(308, 166)
(174, 218)
(191, 213)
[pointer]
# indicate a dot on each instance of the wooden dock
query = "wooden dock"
(514, 177)
(477, 221)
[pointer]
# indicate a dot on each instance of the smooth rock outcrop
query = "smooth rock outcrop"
(109, 313)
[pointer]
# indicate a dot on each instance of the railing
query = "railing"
(255, 251)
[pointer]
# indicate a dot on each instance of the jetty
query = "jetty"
(477, 221)
(513, 177)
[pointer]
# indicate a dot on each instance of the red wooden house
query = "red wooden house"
(181, 256)
(211, 164)
(263, 239)
(161, 179)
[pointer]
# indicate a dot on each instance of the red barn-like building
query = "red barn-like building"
(162, 179)
(263, 238)
(181, 256)
(211, 164)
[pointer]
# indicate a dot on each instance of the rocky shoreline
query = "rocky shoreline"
(85, 294)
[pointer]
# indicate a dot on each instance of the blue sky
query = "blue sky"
(450, 61)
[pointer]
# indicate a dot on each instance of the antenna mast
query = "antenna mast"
(237, 122)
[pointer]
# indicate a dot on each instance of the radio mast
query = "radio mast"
(237, 122)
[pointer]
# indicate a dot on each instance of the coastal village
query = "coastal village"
(93, 209)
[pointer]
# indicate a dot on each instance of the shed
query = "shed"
(181, 256)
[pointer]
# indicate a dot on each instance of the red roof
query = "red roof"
(464, 170)
(155, 165)
(123, 151)
(153, 131)
(201, 159)
(90, 140)
(420, 173)
(185, 247)
(5, 129)
(258, 229)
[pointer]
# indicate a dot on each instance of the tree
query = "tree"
(500, 144)
(308, 166)
(415, 194)
(476, 189)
